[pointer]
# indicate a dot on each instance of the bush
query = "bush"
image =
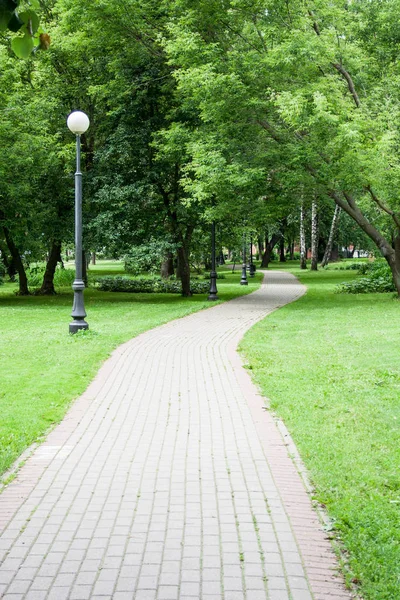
(219, 276)
(140, 261)
(1, 280)
(355, 266)
(64, 277)
(378, 279)
(147, 258)
(147, 286)
(35, 276)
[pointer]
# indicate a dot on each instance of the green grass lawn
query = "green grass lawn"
(331, 366)
(43, 368)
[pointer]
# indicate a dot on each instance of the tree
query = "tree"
(294, 74)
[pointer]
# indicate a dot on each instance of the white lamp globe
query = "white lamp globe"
(78, 122)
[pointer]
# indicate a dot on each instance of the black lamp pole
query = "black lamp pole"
(243, 280)
(78, 123)
(213, 274)
(252, 266)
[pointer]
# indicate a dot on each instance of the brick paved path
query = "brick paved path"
(167, 480)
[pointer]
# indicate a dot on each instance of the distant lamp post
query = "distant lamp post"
(213, 274)
(78, 123)
(252, 269)
(243, 280)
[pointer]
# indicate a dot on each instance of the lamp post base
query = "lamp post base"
(243, 280)
(77, 325)
(213, 286)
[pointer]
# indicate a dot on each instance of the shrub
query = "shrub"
(147, 258)
(347, 266)
(378, 279)
(219, 276)
(147, 286)
(64, 277)
(35, 276)
(1, 280)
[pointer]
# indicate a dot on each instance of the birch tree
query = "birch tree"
(314, 234)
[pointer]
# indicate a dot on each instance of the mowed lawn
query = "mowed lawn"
(43, 368)
(331, 366)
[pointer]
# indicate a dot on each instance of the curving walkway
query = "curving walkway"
(167, 480)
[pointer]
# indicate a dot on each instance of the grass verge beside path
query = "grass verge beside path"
(331, 366)
(43, 368)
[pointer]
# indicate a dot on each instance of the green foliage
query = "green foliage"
(350, 266)
(219, 276)
(62, 277)
(147, 258)
(35, 276)
(378, 279)
(25, 22)
(148, 286)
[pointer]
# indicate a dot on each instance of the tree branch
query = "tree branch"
(349, 80)
(268, 127)
(340, 68)
(383, 206)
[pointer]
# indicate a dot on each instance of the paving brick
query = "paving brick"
(151, 486)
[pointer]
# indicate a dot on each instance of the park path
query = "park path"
(169, 480)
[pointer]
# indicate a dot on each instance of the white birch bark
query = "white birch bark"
(334, 225)
(314, 235)
(303, 255)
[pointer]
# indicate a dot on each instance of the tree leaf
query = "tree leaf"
(5, 17)
(22, 46)
(30, 21)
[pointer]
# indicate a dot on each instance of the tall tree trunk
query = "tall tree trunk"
(393, 260)
(93, 258)
(47, 287)
(314, 235)
(167, 266)
(23, 280)
(332, 233)
(282, 257)
(303, 250)
(269, 246)
(184, 270)
(260, 244)
(182, 233)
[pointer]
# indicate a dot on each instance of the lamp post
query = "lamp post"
(243, 280)
(213, 274)
(252, 266)
(78, 123)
